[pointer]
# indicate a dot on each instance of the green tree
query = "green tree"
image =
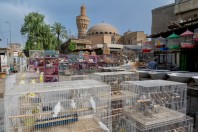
(60, 31)
(38, 33)
(72, 46)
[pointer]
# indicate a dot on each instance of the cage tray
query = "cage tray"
(164, 115)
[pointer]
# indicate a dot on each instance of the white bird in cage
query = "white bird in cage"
(93, 104)
(33, 81)
(57, 109)
(73, 104)
(143, 97)
(114, 82)
(149, 95)
(103, 126)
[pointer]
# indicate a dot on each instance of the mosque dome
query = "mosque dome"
(102, 28)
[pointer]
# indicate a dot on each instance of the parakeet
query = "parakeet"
(57, 109)
(103, 126)
(73, 104)
(93, 104)
(41, 77)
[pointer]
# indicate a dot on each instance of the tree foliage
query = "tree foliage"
(72, 46)
(60, 31)
(39, 35)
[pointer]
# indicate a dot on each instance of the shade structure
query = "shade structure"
(160, 42)
(173, 41)
(186, 39)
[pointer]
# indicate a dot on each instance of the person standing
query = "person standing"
(153, 64)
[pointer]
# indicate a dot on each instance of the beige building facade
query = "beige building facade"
(180, 11)
(133, 38)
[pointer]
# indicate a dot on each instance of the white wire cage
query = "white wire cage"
(170, 94)
(154, 106)
(22, 79)
(79, 77)
(184, 125)
(115, 78)
(36, 54)
(61, 106)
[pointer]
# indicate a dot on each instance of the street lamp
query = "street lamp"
(10, 30)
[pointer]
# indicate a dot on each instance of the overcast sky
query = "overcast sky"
(134, 15)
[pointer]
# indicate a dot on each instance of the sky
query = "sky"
(134, 15)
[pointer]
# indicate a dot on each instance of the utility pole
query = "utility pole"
(10, 31)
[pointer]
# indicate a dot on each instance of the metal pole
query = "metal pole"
(10, 30)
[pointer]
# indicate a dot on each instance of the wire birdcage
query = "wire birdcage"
(186, 39)
(173, 41)
(61, 106)
(156, 105)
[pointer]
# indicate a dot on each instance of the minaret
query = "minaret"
(82, 22)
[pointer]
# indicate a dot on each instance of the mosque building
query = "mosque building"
(101, 35)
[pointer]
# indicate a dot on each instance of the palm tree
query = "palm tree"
(60, 31)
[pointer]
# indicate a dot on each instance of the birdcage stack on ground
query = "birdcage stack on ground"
(115, 78)
(60, 106)
(79, 77)
(118, 96)
(36, 61)
(155, 106)
(10, 81)
(169, 94)
(21, 79)
(27, 77)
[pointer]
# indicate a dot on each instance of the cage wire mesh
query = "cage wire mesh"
(118, 96)
(79, 77)
(115, 78)
(184, 125)
(22, 79)
(172, 95)
(61, 106)
(154, 102)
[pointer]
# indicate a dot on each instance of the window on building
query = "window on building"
(101, 32)
(96, 32)
(128, 41)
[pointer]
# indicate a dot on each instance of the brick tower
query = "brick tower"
(82, 22)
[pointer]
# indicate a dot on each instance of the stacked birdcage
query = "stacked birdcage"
(10, 82)
(36, 61)
(118, 96)
(79, 77)
(115, 78)
(184, 125)
(155, 106)
(61, 106)
(27, 77)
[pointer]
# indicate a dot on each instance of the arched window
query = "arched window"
(101, 32)
(110, 32)
(96, 32)
(92, 33)
(106, 32)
